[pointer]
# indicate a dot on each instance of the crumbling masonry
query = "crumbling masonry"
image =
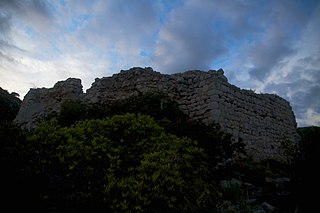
(262, 121)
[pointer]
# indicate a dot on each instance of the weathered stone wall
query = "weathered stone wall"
(261, 120)
(40, 102)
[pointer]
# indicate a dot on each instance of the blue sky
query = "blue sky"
(270, 46)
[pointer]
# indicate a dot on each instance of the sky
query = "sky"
(269, 46)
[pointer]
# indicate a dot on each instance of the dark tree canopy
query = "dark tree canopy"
(127, 162)
(9, 105)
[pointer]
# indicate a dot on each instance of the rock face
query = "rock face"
(261, 120)
(40, 102)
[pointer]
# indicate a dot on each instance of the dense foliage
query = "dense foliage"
(141, 154)
(218, 145)
(9, 105)
(124, 163)
(110, 157)
(304, 169)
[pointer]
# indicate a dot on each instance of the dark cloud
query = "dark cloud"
(198, 33)
(121, 30)
(26, 6)
(312, 97)
(310, 86)
(275, 30)
(312, 60)
(188, 40)
(305, 101)
(5, 25)
(279, 27)
(126, 20)
(183, 48)
(264, 56)
(5, 57)
(34, 12)
(301, 87)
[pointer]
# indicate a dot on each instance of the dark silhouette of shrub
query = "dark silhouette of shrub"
(124, 163)
(9, 105)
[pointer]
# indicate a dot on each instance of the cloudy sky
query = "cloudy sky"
(270, 46)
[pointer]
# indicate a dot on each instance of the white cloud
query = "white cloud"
(310, 118)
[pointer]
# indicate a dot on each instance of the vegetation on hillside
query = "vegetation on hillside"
(143, 154)
(304, 170)
(9, 105)
(126, 162)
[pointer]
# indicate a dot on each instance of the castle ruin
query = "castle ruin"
(262, 121)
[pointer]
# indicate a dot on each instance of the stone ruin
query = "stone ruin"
(262, 121)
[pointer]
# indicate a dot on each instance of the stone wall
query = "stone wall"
(261, 120)
(40, 102)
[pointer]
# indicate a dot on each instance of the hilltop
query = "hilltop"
(262, 121)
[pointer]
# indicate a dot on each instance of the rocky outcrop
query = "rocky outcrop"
(40, 102)
(260, 120)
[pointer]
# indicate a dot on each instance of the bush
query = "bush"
(216, 144)
(72, 111)
(125, 163)
(9, 105)
(304, 172)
